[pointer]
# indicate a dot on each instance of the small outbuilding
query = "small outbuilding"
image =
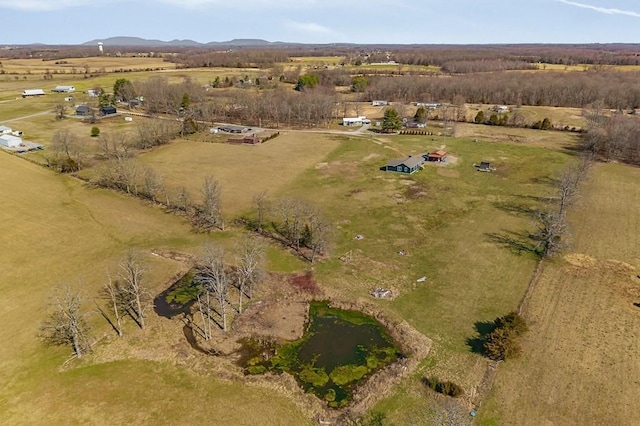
(439, 155)
(407, 165)
(484, 166)
(379, 103)
(10, 141)
(4, 130)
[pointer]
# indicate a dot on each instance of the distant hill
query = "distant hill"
(143, 42)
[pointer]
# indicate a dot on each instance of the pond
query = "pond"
(338, 351)
(177, 299)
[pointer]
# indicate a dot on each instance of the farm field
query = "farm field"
(452, 245)
(541, 138)
(94, 63)
(447, 219)
(243, 171)
(579, 359)
(55, 231)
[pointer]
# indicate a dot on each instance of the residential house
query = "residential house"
(407, 165)
(64, 89)
(355, 121)
(84, 111)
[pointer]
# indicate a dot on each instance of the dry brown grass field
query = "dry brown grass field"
(92, 64)
(541, 138)
(580, 362)
(243, 171)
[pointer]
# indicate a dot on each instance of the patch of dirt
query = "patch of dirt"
(370, 157)
(417, 190)
(581, 260)
(283, 320)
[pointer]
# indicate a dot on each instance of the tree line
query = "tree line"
(616, 89)
(612, 137)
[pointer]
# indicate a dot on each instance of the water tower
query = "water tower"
(100, 47)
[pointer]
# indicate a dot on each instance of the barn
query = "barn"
(407, 165)
(10, 141)
(32, 93)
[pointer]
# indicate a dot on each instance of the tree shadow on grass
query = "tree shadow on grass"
(517, 242)
(483, 328)
(516, 208)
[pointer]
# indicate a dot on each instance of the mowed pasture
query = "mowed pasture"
(80, 65)
(242, 171)
(56, 231)
(450, 221)
(580, 362)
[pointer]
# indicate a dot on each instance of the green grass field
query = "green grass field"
(54, 231)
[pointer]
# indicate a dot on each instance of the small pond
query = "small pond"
(177, 299)
(338, 351)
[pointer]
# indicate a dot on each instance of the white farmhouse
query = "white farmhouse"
(355, 121)
(64, 89)
(10, 141)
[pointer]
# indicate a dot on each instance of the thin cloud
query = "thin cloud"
(309, 27)
(42, 5)
(605, 10)
(271, 4)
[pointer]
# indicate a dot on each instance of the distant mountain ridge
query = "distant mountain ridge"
(143, 42)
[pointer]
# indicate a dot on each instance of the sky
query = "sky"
(324, 21)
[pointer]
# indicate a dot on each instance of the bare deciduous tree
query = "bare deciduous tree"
(113, 293)
(66, 152)
(67, 324)
(249, 267)
(317, 231)
(134, 293)
(260, 201)
(184, 199)
(210, 211)
(153, 184)
(213, 278)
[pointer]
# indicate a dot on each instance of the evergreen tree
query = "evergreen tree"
(391, 121)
